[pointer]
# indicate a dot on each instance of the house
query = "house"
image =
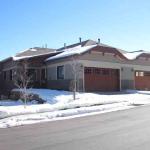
(93, 65)
(102, 68)
(36, 66)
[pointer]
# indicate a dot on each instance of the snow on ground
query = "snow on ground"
(61, 115)
(60, 105)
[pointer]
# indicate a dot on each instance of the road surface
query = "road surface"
(122, 130)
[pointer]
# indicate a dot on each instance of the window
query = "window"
(4, 75)
(139, 74)
(60, 72)
(11, 75)
(33, 74)
(43, 74)
(88, 71)
(136, 74)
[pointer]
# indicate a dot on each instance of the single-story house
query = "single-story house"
(102, 68)
(93, 65)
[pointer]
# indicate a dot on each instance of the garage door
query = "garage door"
(142, 80)
(101, 79)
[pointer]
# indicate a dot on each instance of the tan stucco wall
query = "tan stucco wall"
(127, 78)
(52, 70)
(68, 76)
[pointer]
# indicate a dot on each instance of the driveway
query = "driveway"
(122, 130)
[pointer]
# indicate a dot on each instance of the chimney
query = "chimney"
(64, 45)
(99, 40)
(80, 39)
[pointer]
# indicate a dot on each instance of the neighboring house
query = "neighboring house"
(36, 67)
(100, 67)
(103, 68)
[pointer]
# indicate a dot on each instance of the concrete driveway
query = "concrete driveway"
(122, 130)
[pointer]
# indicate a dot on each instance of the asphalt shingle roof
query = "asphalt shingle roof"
(35, 51)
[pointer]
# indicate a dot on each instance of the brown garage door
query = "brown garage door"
(142, 80)
(101, 79)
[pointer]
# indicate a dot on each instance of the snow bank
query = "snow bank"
(60, 115)
(32, 109)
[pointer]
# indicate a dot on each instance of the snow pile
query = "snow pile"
(72, 51)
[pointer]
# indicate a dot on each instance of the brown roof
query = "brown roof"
(88, 43)
(35, 51)
(83, 43)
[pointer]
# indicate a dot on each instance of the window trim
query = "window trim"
(63, 72)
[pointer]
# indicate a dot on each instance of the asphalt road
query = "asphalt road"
(122, 130)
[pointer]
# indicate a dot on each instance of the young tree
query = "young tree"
(22, 79)
(76, 69)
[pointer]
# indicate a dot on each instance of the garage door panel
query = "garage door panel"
(101, 79)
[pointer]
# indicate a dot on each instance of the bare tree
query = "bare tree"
(22, 79)
(76, 69)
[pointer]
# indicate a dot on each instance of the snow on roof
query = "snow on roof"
(134, 55)
(72, 51)
(33, 52)
(15, 58)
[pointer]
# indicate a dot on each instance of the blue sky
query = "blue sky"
(27, 23)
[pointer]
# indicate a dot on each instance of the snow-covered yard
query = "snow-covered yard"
(60, 105)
